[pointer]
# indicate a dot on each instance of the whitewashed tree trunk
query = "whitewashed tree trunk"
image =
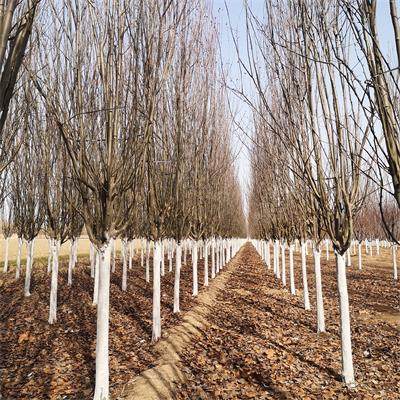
(54, 282)
(212, 258)
(103, 313)
(124, 264)
(142, 253)
(291, 270)
(18, 268)
(170, 255)
(178, 265)
(217, 258)
(156, 334)
(70, 263)
(5, 268)
(92, 253)
(29, 263)
(268, 254)
(318, 289)
(162, 258)
(394, 254)
(306, 296)
(283, 264)
(345, 332)
(195, 272)
(359, 256)
(377, 247)
(130, 254)
(205, 264)
(147, 261)
(278, 270)
(49, 257)
(75, 259)
(96, 278)
(327, 249)
(184, 251)
(221, 255)
(348, 253)
(114, 253)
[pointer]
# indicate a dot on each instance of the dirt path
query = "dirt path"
(253, 340)
(161, 381)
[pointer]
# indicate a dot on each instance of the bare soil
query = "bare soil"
(42, 361)
(261, 344)
(253, 339)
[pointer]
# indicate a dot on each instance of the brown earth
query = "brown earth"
(253, 340)
(42, 361)
(261, 344)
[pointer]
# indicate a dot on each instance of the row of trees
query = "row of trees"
(326, 147)
(118, 123)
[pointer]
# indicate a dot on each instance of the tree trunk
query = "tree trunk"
(394, 262)
(306, 296)
(103, 310)
(18, 268)
(5, 269)
(92, 260)
(130, 254)
(205, 264)
(359, 257)
(177, 276)
(113, 252)
(142, 253)
(291, 270)
(162, 258)
(70, 263)
(28, 269)
(268, 255)
(54, 282)
(278, 271)
(147, 261)
(49, 257)
(170, 255)
(156, 291)
(348, 253)
(318, 289)
(345, 332)
(195, 274)
(212, 258)
(124, 264)
(96, 278)
(75, 259)
(283, 265)
(327, 249)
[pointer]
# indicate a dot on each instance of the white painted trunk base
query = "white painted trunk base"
(54, 282)
(156, 334)
(178, 266)
(345, 332)
(318, 289)
(103, 313)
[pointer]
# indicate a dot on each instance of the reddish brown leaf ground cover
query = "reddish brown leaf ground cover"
(263, 345)
(40, 361)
